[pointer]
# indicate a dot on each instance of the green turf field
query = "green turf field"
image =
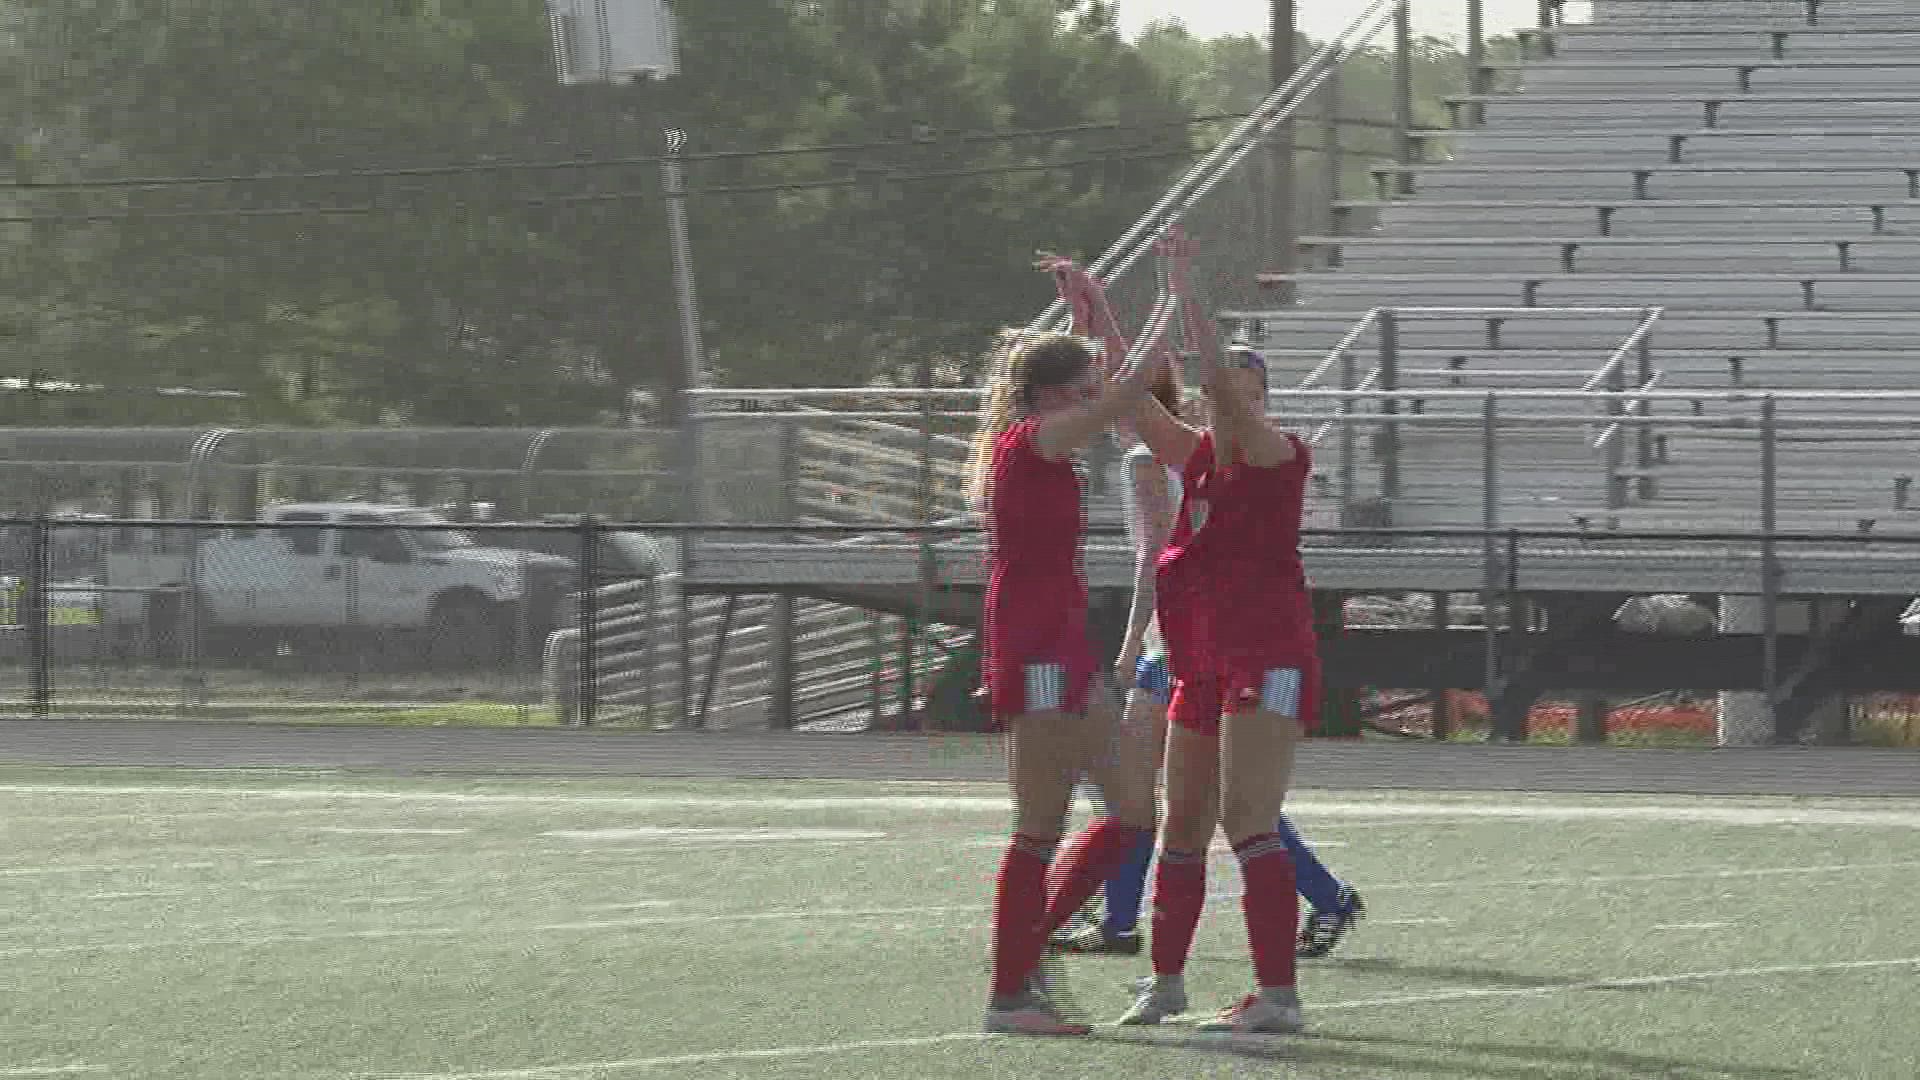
(259, 925)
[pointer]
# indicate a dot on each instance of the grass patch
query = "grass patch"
(191, 932)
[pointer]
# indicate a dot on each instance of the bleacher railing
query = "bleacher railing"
(1278, 108)
(1384, 325)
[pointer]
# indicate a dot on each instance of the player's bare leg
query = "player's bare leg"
(1257, 744)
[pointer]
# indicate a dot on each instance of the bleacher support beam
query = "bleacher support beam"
(1746, 717)
(1572, 645)
(1842, 641)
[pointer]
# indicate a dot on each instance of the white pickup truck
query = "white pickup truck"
(259, 588)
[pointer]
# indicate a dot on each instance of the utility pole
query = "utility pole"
(620, 42)
(1283, 243)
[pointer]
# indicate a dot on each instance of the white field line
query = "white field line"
(50, 1070)
(1220, 845)
(1710, 811)
(975, 911)
(763, 916)
(1682, 875)
(129, 868)
(666, 844)
(1234, 894)
(338, 830)
(674, 847)
(715, 835)
(835, 1049)
(1627, 983)
(142, 816)
(1689, 926)
(236, 942)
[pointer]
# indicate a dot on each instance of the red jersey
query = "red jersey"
(1036, 602)
(1232, 590)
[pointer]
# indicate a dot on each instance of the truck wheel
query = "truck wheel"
(464, 631)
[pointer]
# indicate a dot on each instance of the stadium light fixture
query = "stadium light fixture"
(619, 42)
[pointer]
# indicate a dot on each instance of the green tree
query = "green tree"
(415, 287)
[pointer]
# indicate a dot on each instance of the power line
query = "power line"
(610, 196)
(365, 209)
(479, 167)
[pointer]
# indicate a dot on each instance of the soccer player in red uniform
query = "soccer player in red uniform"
(1234, 610)
(1151, 495)
(1043, 680)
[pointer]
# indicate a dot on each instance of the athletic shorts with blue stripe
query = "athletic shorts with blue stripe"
(1151, 673)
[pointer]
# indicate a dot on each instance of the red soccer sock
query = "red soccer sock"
(1272, 907)
(1019, 913)
(1179, 892)
(1090, 855)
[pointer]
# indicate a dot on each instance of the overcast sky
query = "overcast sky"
(1319, 19)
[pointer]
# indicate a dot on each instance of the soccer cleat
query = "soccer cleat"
(1093, 938)
(1157, 1001)
(1091, 913)
(1258, 1014)
(1042, 1008)
(1324, 929)
(1032, 1016)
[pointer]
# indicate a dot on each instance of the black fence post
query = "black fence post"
(1590, 727)
(356, 636)
(1517, 731)
(1440, 716)
(589, 619)
(37, 610)
(781, 713)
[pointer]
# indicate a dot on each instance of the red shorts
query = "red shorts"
(1061, 681)
(1291, 688)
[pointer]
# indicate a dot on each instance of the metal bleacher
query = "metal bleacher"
(1679, 242)
(1750, 169)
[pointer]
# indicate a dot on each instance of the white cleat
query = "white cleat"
(1158, 1000)
(1258, 1014)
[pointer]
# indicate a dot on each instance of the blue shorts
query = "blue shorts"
(1152, 674)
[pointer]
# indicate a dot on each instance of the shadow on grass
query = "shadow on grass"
(1379, 1055)
(1453, 975)
(1618, 1061)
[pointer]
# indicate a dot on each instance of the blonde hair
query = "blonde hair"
(1026, 364)
(1006, 372)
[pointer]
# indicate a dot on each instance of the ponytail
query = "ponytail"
(1005, 374)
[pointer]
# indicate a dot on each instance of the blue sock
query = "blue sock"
(1126, 886)
(1317, 885)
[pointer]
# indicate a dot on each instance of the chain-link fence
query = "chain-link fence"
(377, 615)
(365, 612)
